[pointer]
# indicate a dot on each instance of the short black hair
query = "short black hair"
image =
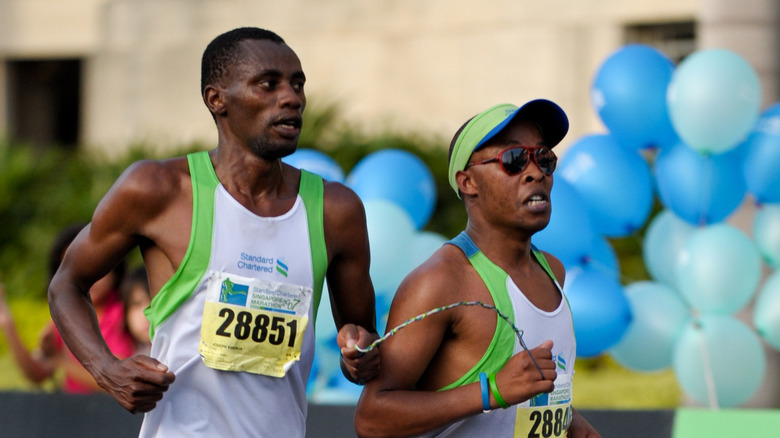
(223, 51)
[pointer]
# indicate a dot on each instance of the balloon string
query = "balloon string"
(518, 332)
(709, 379)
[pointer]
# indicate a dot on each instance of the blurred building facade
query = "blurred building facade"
(107, 73)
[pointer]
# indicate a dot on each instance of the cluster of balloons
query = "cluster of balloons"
(694, 136)
(691, 136)
(399, 195)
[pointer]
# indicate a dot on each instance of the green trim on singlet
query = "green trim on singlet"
(502, 345)
(312, 190)
(196, 260)
(193, 267)
(543, 261)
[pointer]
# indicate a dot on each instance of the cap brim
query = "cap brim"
(546, 114)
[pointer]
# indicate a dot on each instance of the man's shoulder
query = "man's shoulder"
(175, 165)
(337, 192)
(156, 175)
(341, 201)
(447, 268)
(152, 185)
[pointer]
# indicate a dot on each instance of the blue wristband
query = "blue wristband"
(483, 383)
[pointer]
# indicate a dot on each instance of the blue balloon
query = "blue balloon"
(316, 162)
(339, 392)
(570, 234)
(398, 176)
(700, 189)
(766, 313)
(327, 353)
(593, 165)
(718, 269)
(659, 315)
(390, 234)
(714, 99)
(762, 160)
(766, 233)
(602, 257)
(629, 94)
(719, 361)
(384, 299)
(599, 308)
(424, 244)
(326, 364)
(324, 327)
(664, 238)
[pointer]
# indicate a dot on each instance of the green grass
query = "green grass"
(30, 316)
(11, 378)
(603, 384)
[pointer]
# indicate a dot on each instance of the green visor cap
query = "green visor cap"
(547, 115)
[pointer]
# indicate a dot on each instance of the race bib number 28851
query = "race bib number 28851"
(253, 325)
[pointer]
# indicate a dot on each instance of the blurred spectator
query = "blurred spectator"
(51, 353)
(136, 297)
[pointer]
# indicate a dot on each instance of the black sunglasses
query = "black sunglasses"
(515, 159)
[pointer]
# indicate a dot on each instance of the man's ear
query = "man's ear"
(212, 96)
(466, 183)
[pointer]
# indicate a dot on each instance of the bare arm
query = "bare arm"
(400, 402)
(389, 406)
(135, 199)
(76, 372)
(349, 283)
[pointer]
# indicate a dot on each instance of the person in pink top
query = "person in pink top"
(51, 354)
(136, 297)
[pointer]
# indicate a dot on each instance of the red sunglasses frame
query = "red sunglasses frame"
(531, 152)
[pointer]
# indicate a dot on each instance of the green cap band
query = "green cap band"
(550, 118)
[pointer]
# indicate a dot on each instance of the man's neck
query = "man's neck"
(265, 187)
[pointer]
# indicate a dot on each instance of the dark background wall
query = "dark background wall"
(31, 415)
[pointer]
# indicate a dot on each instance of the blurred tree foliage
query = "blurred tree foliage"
(41, 192)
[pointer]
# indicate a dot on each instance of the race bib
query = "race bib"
(549, 415)
(253, 325)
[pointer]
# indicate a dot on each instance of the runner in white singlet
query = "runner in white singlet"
(237, 246)
(463, 372)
